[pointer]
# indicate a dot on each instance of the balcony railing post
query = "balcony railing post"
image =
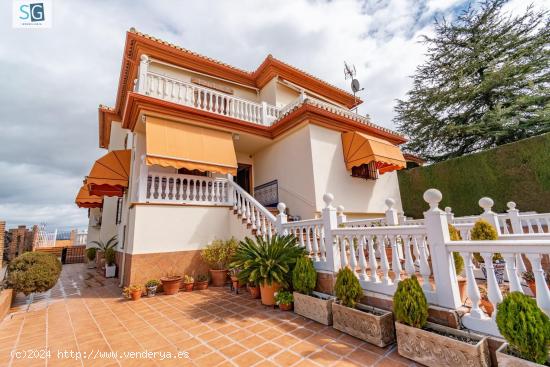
(450, 215)
(341, 217)
(513, 215)
(392, 219)
(281, 220)
(264, 113)
(330, 223)
(443, 266)
(143, 180)
(488, 214)
(142, 78)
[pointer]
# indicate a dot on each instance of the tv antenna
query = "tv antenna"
(349, 73)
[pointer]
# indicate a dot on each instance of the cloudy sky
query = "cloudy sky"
(52, 80)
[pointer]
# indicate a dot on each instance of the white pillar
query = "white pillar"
(392, 218)
(341, 216)
(513, 215)
(142, 75)
(450, 215)
(281, 219)
(443, 266)
(143, 179)
(264, 113)
(487, 204)
(330, 222)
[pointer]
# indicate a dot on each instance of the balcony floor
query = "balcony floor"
(85, 312)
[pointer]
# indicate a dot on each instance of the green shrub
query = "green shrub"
(347, 287)
(33, 272)
(410, 306)
(459, 261)
(110, 256)
(304, 276)
(283, 298)
(102, 246)
(484, 231)
(267, 261)
(152, 283)
(219, 253)
(91, 253)
(524, 326)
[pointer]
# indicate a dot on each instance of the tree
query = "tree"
(486, 82)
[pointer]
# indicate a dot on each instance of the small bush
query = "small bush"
(410, 306)
(459, 261)
(524, 326)
(152, 283)
(304, 276)
(219, 253)
(91, 253)
(347, 287)
(33, 272)
(484, 231)
(110, 256)
(283, 298)
(201, 278)
(188, 279)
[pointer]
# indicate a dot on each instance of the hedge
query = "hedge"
(518, 172)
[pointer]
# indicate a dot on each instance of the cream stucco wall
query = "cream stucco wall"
(108, 219)
(93, 229)
(288, 160)
(330, 175)
(118, 136)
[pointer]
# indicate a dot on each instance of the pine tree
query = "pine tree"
(486, 82)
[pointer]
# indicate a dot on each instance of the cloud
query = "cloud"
(54, 79)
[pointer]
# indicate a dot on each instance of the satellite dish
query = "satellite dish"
(355, 87)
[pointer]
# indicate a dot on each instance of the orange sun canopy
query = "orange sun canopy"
(85, 200)
(110, 173)
(360, 148)
(177, 145)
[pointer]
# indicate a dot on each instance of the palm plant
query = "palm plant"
(267, 261)
(110, 244)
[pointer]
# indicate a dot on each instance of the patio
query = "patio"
(84, 313)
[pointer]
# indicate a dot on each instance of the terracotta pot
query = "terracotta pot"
(254, 291)
(462, 289)
(199, 286)
(267, 293)
(532, 287)
(286, 307)
(171, 285)
(487, 305)
(218, 277)
(188, 287)
(135, 295)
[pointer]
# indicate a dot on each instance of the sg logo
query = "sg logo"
(34, 12)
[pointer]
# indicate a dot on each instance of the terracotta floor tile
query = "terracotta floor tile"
(388, 362)
(232, 350)
(364, 357)
(247, 359)
(198, 351)
(285, 340)
(268, 349)
(305, 348)
(286, 358)
(323, 357)
(212, 359)
(347, 363)
(252, 341)
(338, 348)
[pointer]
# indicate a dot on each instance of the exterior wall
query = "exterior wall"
(269, 92)
(330, 175)
(289, 161)
(93, 229)
(118, 136)
(108, 219)
(286, 95)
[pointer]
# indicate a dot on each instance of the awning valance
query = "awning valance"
(360, 148)
(85, 200)
(110, 173)
(173, 144)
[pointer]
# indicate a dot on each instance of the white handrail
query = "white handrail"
(253, 201)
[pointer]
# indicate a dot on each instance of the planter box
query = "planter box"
(506, 360)
(110, 271)
(434, 350)
(374, 327)
(316, 308)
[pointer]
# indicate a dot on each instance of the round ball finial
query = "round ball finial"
(340, 209)
(486, 203)
(433, 197)
(281, 207)
(144, 57)
(511, 205)
(328, 198)
(390, 203)
(448, 209)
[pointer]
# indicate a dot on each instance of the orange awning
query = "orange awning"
(110, 173)
(360, 148)
(85, 200)
(173, 144)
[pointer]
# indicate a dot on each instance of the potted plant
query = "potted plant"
(367, 323)
(188, 282)
(313, 305)
(151, 287)
(201, 282)
(171, 284)
(431, 344)
(267, 262)
(133, 292)
(254, 290)
(91, 253)
(526, 329)
(284, 300)
(459, 263)
(110, 265)
(101, 248)
(484, 231)
(529, 278)
(217, 255)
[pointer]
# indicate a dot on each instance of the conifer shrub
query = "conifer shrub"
(484, 231)
(91, 253)
(33, 272)
(459, 261)
(347, 287)
(524, 326)
(304, 276)
(410, 306)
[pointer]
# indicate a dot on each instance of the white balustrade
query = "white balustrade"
(192, 95)
(80, 239)
(310, 235)
(186, 189)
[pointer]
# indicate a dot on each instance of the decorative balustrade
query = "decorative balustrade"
(188, 94)
(80, 239)
(186, 189)
(310, 234)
